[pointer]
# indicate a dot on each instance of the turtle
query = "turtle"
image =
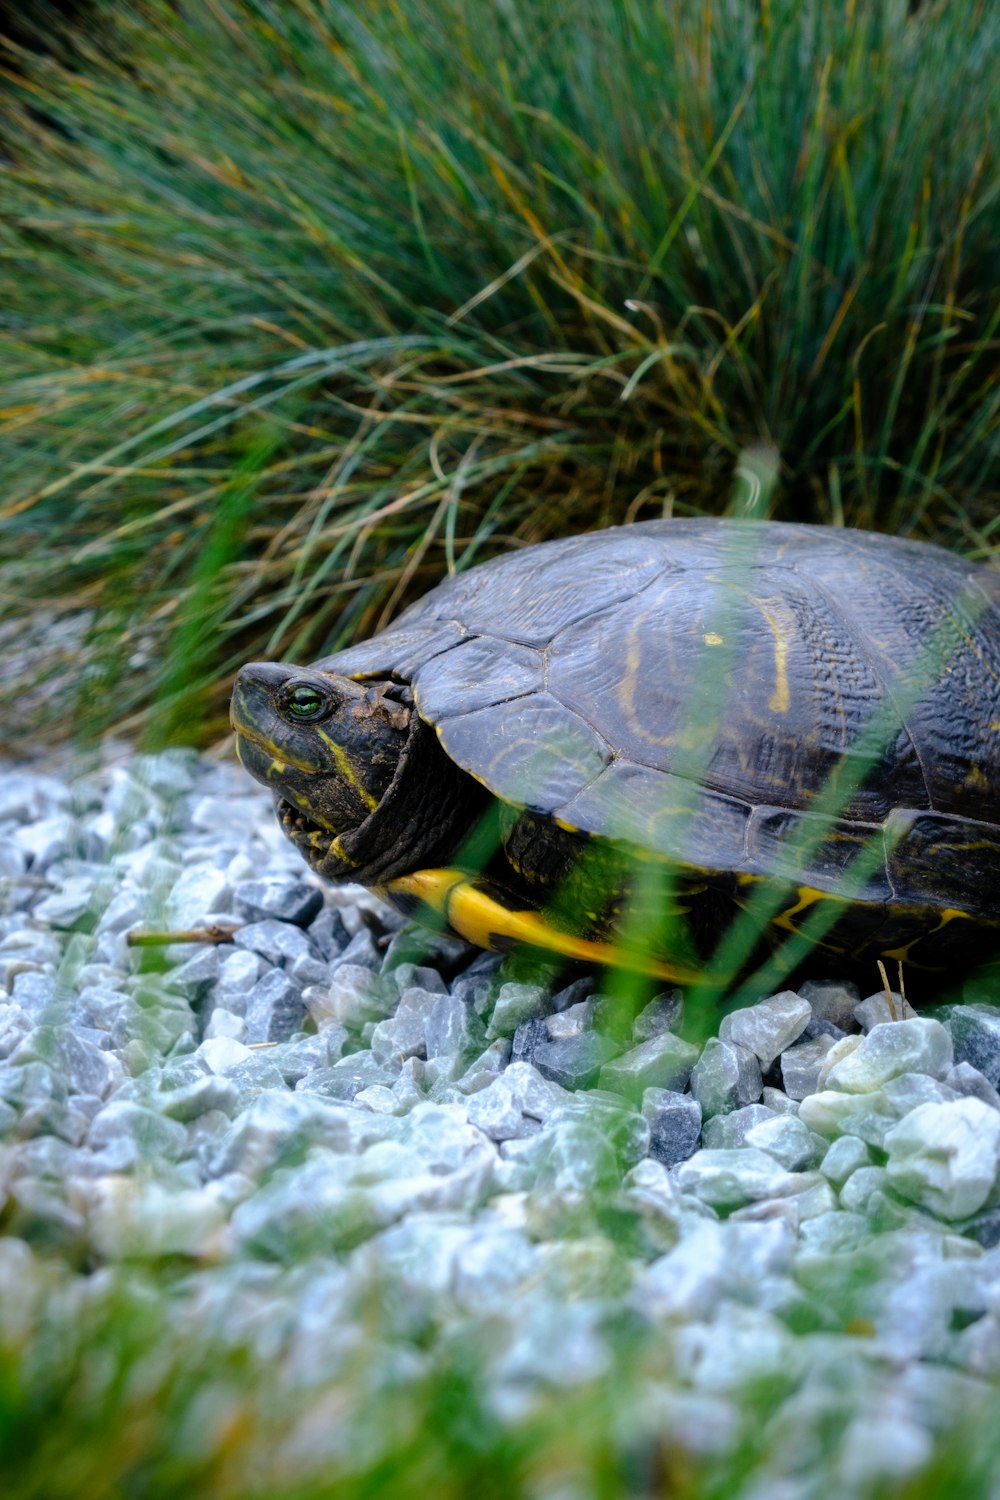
(675, 746)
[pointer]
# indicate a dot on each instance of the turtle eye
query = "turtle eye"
(305, 702)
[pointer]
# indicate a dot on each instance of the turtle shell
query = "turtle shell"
(756, 698)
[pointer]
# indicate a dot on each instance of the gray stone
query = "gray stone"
(297, 1060)
(515, 1003)
(573, 1159)
(623, 1127)
(569, 1022)
(28, 1082)
(67, 906)
(890, 1048)
(505, 1109)
(46, 1157)
(186, 1101)
(845, 1155)
(768, 1027)
(728, 1179)
(13, 864)
(46, 841)
(360, 952)
(197, 976)
(963, 1078)
(35, 993)
(983, 1227)
(945, 1156)
(198, 891)
(238, 973)
(529, 1034)
(353, 996)
(800, 1066)
(281, 1127)
(452, 1029)
(128, 1134)
(674, 1125)
(910, 1089)
(275, 1008)
(327, 935)
(726, 1132)
(29, 796)
(831, 1000)
(663, 1062)
(879, 1009)
(975, 1032)
(276, 942)
(779, 1101)
(154, 1017)
(408, 976)
(38, 1212)
(491, 1267)
(399, 1037)
(859, 1187)
(576, 1062)
(488, 1065)
(663, 1013)
(257, 1073)
(82, 1067)
(572, 994)
(725, 1077)
(288, 900)
(306, 970)
(348, 1076)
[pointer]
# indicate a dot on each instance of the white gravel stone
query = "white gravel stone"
(515, 1003)
(945, 1156)
(801, 1064)
(199, 891)
(921, 1045)
(726, 1076)
(713, 1262)
(832, 1113)
(878, 1009)
(831, 1001)
(841, 1047)
(845, 1155)
(394, 1157)
(768, 1027)
(727, 1179)
(506, 1108)
(788, 1140)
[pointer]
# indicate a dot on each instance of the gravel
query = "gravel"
(320, 1090)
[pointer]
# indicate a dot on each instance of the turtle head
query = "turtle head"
(327, 746)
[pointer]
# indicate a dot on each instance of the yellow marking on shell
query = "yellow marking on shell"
(476, 916)
(945, 915)
(346, 770)
(807, 897)
(780, 700)
(712, 638)
(975, 780)
(567, 826)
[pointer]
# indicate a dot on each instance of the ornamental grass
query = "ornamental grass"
(304, 306)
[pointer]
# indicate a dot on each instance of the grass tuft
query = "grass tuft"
(307, 305)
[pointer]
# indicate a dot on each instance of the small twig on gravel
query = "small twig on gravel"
(210, 934)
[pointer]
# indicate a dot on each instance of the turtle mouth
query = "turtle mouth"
(308, 836)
